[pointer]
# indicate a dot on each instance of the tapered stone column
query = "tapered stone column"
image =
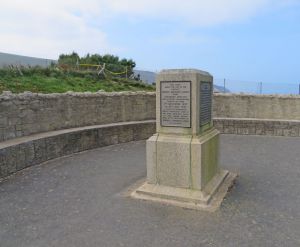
(182, 157)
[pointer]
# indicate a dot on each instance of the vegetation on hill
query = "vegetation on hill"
(112, 63)
(69, 75)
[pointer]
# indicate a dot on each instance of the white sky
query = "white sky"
(46, 28)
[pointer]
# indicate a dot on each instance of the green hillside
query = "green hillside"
(89, 73)
(55, 80)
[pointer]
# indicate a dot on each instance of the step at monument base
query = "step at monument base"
(209, 199)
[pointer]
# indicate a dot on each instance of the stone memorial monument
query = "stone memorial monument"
(182, 157)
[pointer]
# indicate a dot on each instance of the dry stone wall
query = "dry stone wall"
(29, 113)
(74, 122)
(21, 153)
(285, 107)
(252, 126)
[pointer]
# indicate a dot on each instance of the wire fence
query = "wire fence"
(235, 86)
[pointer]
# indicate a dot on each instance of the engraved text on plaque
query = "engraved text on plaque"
(205, 103)
(175, 103)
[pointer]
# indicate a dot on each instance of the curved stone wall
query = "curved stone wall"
(286, 107)
(254, 126)
(38, 127)
(29, 113)
(20, 153)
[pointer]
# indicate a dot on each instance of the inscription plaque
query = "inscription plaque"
(175, 104)
(205, 102)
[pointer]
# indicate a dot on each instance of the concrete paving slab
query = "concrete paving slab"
(75, 201)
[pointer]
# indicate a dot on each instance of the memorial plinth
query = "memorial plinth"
(182, 157)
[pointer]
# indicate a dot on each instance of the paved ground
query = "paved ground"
(74, 201)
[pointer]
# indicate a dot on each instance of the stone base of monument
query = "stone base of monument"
(183, 170)
(209, 199)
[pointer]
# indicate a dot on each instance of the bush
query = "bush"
(113, 63)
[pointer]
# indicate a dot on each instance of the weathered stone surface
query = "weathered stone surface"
(257, 106)
(204, 159)
(258, 127)
(173, 160)
(125, 134)
(27, 113)
(151, 154)
(39, 151)
(27, 151)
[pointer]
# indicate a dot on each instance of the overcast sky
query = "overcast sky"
(252, 40)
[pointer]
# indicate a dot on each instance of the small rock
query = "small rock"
(7, 93)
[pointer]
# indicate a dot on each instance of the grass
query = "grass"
(39, 80)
